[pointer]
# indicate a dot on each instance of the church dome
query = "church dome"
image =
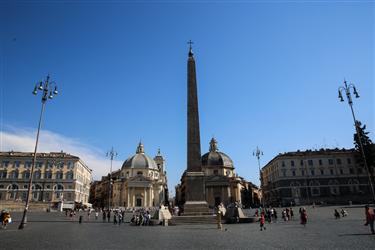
(140, 160)
(216, 158)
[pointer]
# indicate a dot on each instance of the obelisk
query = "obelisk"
(194, 177)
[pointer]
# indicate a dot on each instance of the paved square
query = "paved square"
(55, 231)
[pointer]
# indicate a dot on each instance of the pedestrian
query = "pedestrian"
(275, 214)
(303, 217)
(369, 218)
(337, 214)
(104, 215)
(291, 213)
(109, 215)
(5, 219)
(262, 221)
(115, 218)
(219, 214)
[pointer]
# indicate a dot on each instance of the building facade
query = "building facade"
(221, 183)
(57, 177)
(332, 176)
(141, 182)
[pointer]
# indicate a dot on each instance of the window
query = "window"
(312, 172)
(341, 171)
(48, 175)
(322, 172)
(331, 171)
(301, 162)
(320, 162)
(310, 162)
(283, 163)
(303, 172)
(69, 176)
(60, 164)
(228, 172)
(70, 165)
(294, 173)
(338, 161)
(39, 164)
(139, 173)
(1, 186)
(17, 164)
(330, 161)
(49, 164)
(26, 175)
(292, 163)
(284, 173)
(349, 161)
(5, 164)
(59, 175)
(25, 186)
(14, 175)
(359, 170)
(3, 174)
(28, 164)
(216, 172)
(37, 175)
(351, 170)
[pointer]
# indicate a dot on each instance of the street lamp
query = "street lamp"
(347, 89)
(47, 93)
(111, 154)
(257, 153)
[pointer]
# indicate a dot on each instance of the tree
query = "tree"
(368, 148)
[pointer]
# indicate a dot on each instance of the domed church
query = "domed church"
(141, 181)
(221, 182)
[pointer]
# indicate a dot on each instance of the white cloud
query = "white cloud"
(21, 139)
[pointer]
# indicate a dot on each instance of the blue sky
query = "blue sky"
(268, 75)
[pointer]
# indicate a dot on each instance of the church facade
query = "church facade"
(221, 183)
(141, 182)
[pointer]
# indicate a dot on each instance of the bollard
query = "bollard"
(80, 219)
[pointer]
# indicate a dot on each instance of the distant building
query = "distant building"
(221, 183)
(58, 176)
(330, 176)
(141, 182)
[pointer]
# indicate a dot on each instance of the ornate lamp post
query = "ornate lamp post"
(347, 89)
(47, 93)
(257, 153)
(111, 154)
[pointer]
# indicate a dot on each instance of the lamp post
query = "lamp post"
(257, 153)
(347, 89)
(47, 93)
(111, 154)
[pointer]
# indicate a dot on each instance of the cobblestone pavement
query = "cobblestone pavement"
(55, 231)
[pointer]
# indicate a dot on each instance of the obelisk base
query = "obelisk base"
(196, 203)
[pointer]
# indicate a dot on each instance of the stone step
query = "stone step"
(182, 220)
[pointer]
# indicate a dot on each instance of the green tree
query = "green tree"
(368, 148)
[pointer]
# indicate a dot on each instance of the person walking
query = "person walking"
(262, 221)
(303, 217)
(370, 217)
(104, 215)
(109, 215)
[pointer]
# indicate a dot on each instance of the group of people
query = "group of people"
(343, 213)
(141, 217)
(287, 214)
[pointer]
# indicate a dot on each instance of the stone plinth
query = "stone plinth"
(196, 203)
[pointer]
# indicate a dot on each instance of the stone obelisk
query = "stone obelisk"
(194, 177)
